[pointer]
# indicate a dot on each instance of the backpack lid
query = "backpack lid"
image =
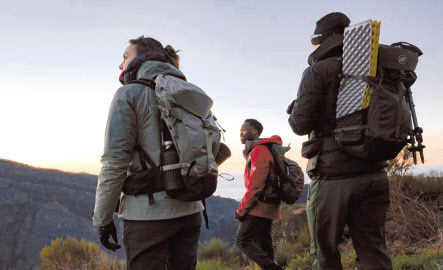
(396, 57)
(186, 95)
(195, 102)
(279, 150)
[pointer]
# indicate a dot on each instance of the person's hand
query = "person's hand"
(290, 107)
(105, 232)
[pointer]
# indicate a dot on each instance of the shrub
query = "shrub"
(210, 265)
(285, 253)
(401, 164)
(252, 266)
(348, 259)
(304, 238)
(301, 263)
(73, 254)
(287, 229)
(425, 259)
(430, 185)
(218, 251)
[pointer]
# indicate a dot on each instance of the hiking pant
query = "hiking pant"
(162, 244)
(361, 203)
(254, 239)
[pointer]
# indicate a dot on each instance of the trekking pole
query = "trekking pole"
(417, 132)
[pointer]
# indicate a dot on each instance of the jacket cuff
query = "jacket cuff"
(238, 217)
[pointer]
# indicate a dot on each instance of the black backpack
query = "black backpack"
(290, 181)
(381, 130)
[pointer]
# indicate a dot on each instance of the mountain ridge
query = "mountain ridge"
(38, 205)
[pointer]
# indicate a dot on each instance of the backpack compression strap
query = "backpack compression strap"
(156, 170)
(346, 78)
(205, 214)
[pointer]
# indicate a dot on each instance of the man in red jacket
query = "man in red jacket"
(256, 212)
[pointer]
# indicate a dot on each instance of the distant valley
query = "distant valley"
(39, 205)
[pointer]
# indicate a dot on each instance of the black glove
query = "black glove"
(238, 217)
(290, 107)
(104, 232)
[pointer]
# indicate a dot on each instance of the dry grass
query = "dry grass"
(414, 220)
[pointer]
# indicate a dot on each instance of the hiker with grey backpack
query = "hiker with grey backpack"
(155, 174)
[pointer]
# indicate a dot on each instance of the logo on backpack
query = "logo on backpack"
(402, 59)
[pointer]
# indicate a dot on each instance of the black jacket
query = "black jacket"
(313, 113)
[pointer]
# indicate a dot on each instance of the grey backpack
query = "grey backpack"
(186, 111)
(189, 164)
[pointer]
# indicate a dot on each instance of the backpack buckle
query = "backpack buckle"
(205, 123)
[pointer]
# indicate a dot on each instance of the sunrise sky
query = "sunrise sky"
(60, 71)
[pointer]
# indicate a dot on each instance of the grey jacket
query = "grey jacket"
(130, 122)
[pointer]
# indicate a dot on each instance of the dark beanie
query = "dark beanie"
(333, 23)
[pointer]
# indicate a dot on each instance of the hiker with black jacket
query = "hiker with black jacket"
(163, 235)
(344, 190)
(255, 215)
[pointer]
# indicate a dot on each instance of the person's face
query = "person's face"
(130, 53)
(247, 133)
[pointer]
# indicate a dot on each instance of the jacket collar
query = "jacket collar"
(149, 70)
(130, 73)
(249, 145)
(332, 46)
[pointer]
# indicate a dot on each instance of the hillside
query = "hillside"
(38, 205)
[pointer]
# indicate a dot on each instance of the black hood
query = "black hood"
(332, 46)
(130, 73)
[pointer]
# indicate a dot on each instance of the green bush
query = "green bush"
(348, 259)
(285, 253)
(301, 263)
(304, 237)
(216, 250)
(210, 265)
(424, 260)
(425, 185)
(252, 266)
(287, 229)
(73, 254)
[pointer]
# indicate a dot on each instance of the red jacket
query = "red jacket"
(260, 164)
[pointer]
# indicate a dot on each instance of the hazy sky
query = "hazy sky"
(60, 62)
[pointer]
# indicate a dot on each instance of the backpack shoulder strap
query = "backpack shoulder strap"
(269, 147)
(268, 182)
(146, 82)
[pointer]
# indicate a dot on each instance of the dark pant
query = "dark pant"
(254, 239)
(359, 202)
(162, 244)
